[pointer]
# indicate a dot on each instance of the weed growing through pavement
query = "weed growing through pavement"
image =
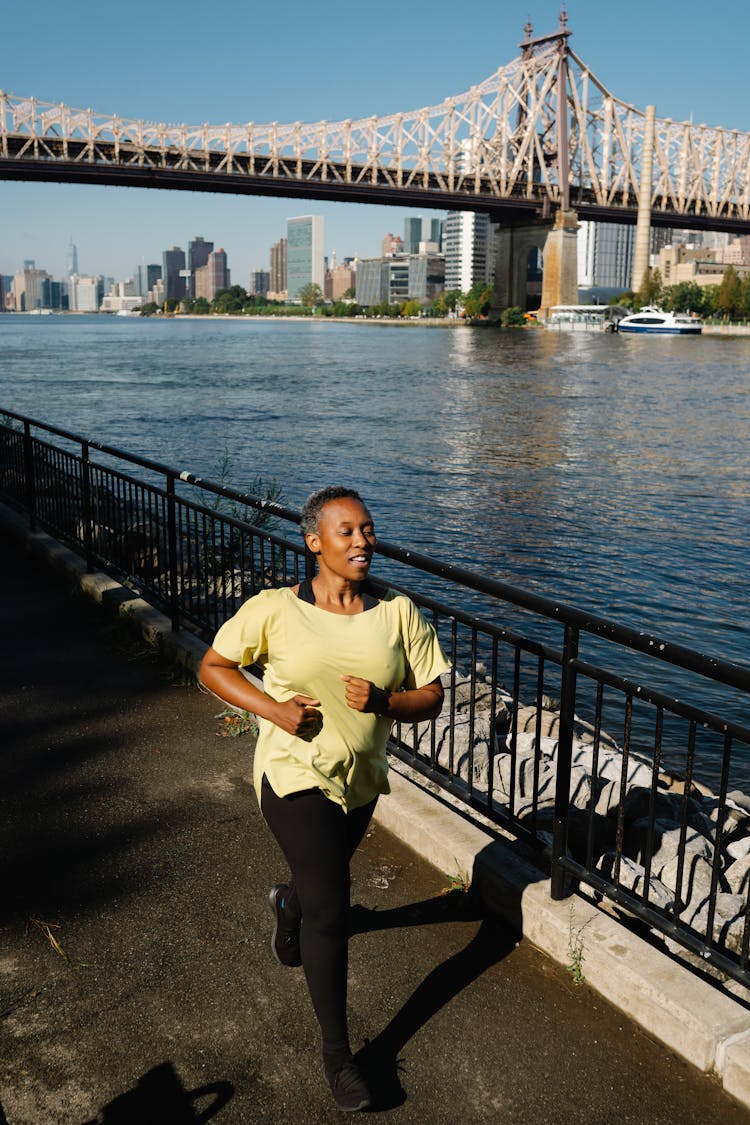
(575, 949)
(459, 881)
(236, 723)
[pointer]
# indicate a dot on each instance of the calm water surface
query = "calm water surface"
(610, 472)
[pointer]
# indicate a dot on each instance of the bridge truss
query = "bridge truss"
(539, 134)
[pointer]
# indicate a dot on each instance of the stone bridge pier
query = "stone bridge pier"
(557, 241)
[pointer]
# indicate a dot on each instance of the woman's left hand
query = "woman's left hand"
(362, 695)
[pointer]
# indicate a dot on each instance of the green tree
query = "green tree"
(311, 295)
(201, 307)
(411, 308)
(478, 301)
(513, 317)
(651, 291)
(729, 296)
(149, 308)
(687, 296)
(349, 294)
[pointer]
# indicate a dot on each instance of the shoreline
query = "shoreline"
(390, 322)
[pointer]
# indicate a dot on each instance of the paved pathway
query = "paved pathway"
(136, 982)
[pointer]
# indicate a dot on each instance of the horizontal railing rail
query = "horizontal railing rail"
(588, 756)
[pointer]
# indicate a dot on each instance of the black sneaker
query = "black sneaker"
(285, 935)
(350, 1089)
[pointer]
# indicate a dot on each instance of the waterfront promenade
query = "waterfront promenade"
(137, 981)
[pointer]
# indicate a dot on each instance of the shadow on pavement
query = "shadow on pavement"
(160, 1097)
(492, 942)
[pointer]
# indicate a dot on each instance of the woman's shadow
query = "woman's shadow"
(494, 940)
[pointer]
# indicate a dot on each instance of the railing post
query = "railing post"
(174, 603)
(564, 759)
(29, 471)
(88, 529)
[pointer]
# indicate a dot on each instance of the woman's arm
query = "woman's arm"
(297, 716)
(416, 705)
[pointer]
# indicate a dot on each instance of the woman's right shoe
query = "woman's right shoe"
(285, 935)
(349, 1088)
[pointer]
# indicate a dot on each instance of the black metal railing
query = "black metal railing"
(560, 726)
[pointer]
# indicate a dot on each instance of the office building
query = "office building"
(605, 259)
(71, 259)
(418, 230)
(397, 279)
(339, 281)
(26, 290)
(277, 284)
(305, 262)
(85, 294)
(145, 278)
(173, 274)
(391, 245)
(260, 283)
(412, 234)
(469, 249)
(213, 277)
(197, 256)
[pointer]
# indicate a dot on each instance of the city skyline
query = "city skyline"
(117, 228)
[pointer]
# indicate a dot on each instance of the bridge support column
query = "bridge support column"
(643, 223)
(558, 242)
(560, 264)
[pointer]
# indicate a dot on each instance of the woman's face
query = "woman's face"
(345, 539)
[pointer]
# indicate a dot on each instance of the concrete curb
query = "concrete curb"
(706, 1027)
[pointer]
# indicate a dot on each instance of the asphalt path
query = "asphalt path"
(136, 981)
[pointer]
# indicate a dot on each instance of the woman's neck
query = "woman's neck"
(337, 595)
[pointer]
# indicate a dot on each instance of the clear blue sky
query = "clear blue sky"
(180, 62)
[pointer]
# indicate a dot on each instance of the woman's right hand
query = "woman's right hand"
(298, 716)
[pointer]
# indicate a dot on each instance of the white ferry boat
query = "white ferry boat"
(658, 322)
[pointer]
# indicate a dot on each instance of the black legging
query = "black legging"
(318, 840)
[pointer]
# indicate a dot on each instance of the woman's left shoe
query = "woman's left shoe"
(285, 936)
(350, 1089)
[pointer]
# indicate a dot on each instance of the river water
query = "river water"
(610, 472)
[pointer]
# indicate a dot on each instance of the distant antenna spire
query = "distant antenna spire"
(528, 28)
(563, 19)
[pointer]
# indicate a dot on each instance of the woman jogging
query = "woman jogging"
(340, 664)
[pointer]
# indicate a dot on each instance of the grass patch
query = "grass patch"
(236, 723)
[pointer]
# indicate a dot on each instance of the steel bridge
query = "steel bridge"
(539, 136)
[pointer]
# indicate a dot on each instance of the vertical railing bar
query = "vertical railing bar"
(655, 769)
(594, 794)
(720, 813)
(620, 831)
(540, 671)
(174, 602)
(564, 758)
(86, 499)
(684, 818)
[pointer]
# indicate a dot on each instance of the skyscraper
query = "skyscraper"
(468, 246)
(71, 258)
(605, 256)
(197, 256)
(412, 234)
(145, 278)
(305, 259)
(277, 284)
(173, 265)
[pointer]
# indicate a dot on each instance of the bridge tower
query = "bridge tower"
(554, 234)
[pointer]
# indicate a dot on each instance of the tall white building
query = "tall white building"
(605, 256)
(468, 245)
(305, 260)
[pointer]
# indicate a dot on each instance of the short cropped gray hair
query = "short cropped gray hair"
(317, 500)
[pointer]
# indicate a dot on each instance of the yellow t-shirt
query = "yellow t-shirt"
(304, 650)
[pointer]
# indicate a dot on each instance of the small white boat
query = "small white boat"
(656, 321)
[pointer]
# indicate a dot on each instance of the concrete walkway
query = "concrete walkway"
(136, 981)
